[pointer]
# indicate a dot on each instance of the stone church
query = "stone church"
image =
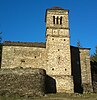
(67, 67)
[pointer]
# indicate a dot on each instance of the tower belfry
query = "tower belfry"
(57, 21)
(58, 48)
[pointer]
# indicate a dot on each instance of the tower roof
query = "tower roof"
(56, 8)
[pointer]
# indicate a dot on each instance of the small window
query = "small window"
(59, 58)
(57, 20)
(35, 56)
(52, 68)
(64, 39)
(53, 19)
(58, 49)
(21, 67)
(22, 60)
(61, 20)
(52, 38)
(65, 69)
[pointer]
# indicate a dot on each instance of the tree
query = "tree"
(0, 37)
(93, 59)
(78, 44)
(0, 48)
(94, 56)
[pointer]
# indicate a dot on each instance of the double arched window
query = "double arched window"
(57, 20)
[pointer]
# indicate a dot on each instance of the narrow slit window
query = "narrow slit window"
(61, 20)
(53, 19)
(59, 58)
(57, 20)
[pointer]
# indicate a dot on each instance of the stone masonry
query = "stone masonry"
(22, 82)
(67, 67)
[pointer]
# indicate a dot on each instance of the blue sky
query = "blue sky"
(24, 20)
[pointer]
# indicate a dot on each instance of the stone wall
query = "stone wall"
(59, 83)
(76, 69)
(94, 75)
(58, 49)
(23, 56)
(85, 70)
(64, 83)
(58, 55)
(22, 82)
(81, 69)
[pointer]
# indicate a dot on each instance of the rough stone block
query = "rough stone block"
(22, 82)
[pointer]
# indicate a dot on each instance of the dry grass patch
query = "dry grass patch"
(58, 96)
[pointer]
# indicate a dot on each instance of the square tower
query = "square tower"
(58, 48)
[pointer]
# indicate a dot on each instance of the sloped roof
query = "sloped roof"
(56, 8)
(80, 48)
(28, 44)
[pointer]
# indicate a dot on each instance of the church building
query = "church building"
(67, 67)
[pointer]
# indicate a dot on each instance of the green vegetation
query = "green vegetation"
(0, 37)
(94, 56)
(94, 70)
(58, 96)
(0, 48)
(78, 44)
(47, 97)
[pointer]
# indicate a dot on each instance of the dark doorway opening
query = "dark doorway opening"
(50, 86)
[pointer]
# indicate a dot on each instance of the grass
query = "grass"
(58, 96)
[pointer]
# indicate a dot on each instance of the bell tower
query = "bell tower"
(58, 48)
(57, 22)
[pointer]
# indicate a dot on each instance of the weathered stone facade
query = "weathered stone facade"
(81, 69)
(18, 56)
(67, 67)
(22, 82)
(85, 70)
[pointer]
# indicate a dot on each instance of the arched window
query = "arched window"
(53, 19)
(61, 20)
(57, 20)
